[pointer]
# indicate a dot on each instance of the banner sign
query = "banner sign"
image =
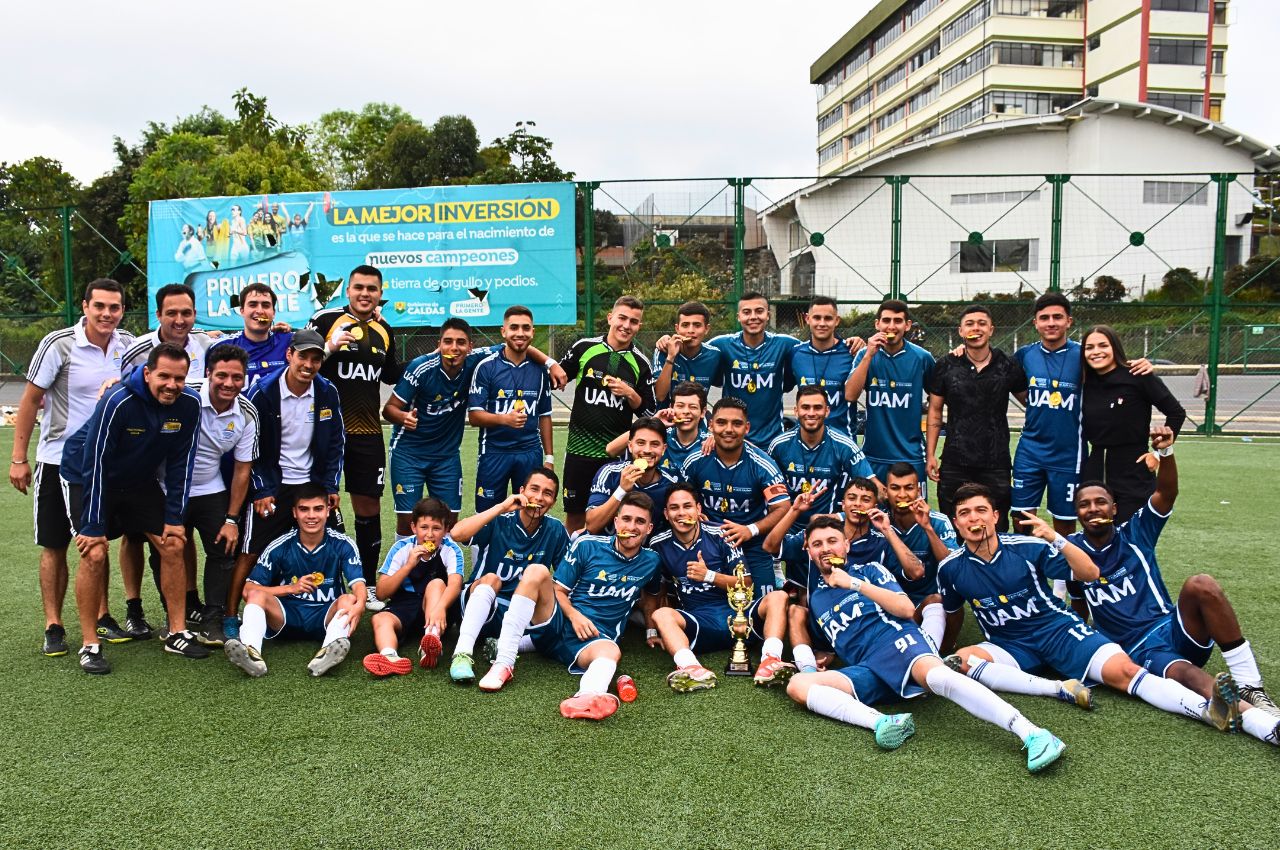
(467, 251)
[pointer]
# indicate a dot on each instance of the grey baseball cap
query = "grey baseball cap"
(306, 340)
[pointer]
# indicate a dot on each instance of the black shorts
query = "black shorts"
(364, 464)
(260, 531)
(135, 512)
(408, 610)
(579, 473)
(53, 521)
(953, 476)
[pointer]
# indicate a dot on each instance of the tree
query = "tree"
(31, 195)
(342, 142)
(401, 162)
(455, 151)
(1107, 289)
(520, 157)
(1179, 286)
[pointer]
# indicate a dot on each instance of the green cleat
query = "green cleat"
(1043, 749)
(491, 651)
(684, 680)
(893, 729)
(461, 669)
(1074, 691)
(1223, 710)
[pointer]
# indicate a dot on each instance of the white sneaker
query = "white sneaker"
(328, 657)
(372, 602)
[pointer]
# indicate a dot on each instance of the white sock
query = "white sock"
(836, 704)
(1243, 666)
(978, 701)
(519, 613)
(526, 644)
(933, 622)
(253, 626)
(1168, 695)
(803, 655)
(1002, 677)
(597, 678)
(390, 652)
(339, 627)
(1261, 725)
(685, 658)
(772, 647)
(479, 605)
(1060, 588)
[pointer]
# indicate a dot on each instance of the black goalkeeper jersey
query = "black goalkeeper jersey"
(359, 367)
(598, 415)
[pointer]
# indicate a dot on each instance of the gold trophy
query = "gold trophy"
(740, 596)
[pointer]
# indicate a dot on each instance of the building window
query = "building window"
(859, 136)
(860, 100)
(1091, 91)
(1179, 5)
(856, 61)
(1028, 103)
(1215, 109)
(893, 116)
(1193, 103)
(966, 67)
(1173, 192)
(996, 197)
(1041, 55)
(931, 130)
(1176, 51)
(922, 8)
(924, 57)
(958, 119)
(922, 98)
(1040, 8)
(996, 255)
(831, 119)
(967, 21)
(1095, 41)
(1220, 13)
(826, 153)
(891, 79)
(1219, 61)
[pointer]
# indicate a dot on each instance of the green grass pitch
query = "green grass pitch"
(169, 753)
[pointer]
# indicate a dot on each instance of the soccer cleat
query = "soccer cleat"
(213, 633)
(109, 630)
(138, 628)
(1043, 749)
(589, 706)
(955, 662)
(773, 671)
(462, 668)
(231, 627)
(94, 662)
(329, 656)
(1223, 710)
(372, 602)
(245, 657)
(55, 641)
(490, 651)
(381, 665)
(893, 729)
(429, 648)
(186, 645)
(498, 675)
(695, 677)
(627, 689)
(1252, 694)
(1073, 690)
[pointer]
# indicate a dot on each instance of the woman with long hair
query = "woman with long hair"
(1117, 420)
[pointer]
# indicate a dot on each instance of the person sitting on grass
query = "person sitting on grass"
(420, 579)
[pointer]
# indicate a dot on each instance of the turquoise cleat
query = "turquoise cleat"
(1043, 749)
(461, 669)
(893, 729)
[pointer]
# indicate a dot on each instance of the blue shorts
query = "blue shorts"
(496, 470)
(1030, 483)
(407, 608)
(556, 639)
(759, 565)
(880, 468)
(302, 620)
(1166, 643)
(708, 628)
(885, 674)
(442, 477)
(1067, 649)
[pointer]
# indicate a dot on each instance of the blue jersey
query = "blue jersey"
(414, 584)
(677, 453)
(610, 476)
(759, 376)
(853, 624)
(705, 368)
(1129, 597)
(286, 560)
(1009, 595)
(870, 548)
(832, 464)
(718, 554)
(604, 585)
(827, 369)
(500, 386)
(917, 540)
(1052, 437)
(263, 356)
(441, 404)
(504, 548)
(894, 395)
(740, 493)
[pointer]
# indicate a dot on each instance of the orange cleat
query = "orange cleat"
(381, 666)
(773, 671)
(589, 706)
(430, 647)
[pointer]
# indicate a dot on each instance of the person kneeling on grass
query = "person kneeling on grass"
(308, 584)
(420, 579)
(579, 614)
(867, 618)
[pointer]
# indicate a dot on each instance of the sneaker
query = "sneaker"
(163, 632)
(245, 657)
(893, 729)
(627, 689)
(490, 651)
(808, 668)
(109, 630)
(695, 677)
(329, 656)
(185, 644)
(231, 627)
(55, 641)
(381, 665)
(498, 675)
(1252, 694)
(138, 628)
(1073, 690)
(429, 648)
(372, 602)
(195, 617)
(1223, 710)
(1043, 749)
(92, 661)
(462, 668)
(955, 662)
(589, 706)
(773, 671)
(213, 633)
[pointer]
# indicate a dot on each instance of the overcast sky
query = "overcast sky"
(666, 90)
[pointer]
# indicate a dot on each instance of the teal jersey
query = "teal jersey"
(1052, 437)
(760, 376)
(504, 548)
(286, 560)
(894, 395)
(441, 403)
(829, 370)
(829, 466)
(916, 539)
(705, 368)
(604, 585)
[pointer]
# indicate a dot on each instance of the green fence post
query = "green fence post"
(589, 253)
(896, 182)
(739, 234)
(1224, 181)
(68, 309)
(1057, 181)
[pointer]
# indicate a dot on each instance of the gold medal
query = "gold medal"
(805, 487)
(356, 332)
(317, 578)
(751, 386)
(640, 464)
(1055, 399)
(518, 405)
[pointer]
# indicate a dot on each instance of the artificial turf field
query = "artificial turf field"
(169, 753)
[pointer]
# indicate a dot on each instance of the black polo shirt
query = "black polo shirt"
(977, 408)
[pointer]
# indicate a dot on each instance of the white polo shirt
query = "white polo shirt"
(297, 425)
(198, 343)
(71, 370)
(235, 429)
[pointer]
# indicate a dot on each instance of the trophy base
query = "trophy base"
(737, 668)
